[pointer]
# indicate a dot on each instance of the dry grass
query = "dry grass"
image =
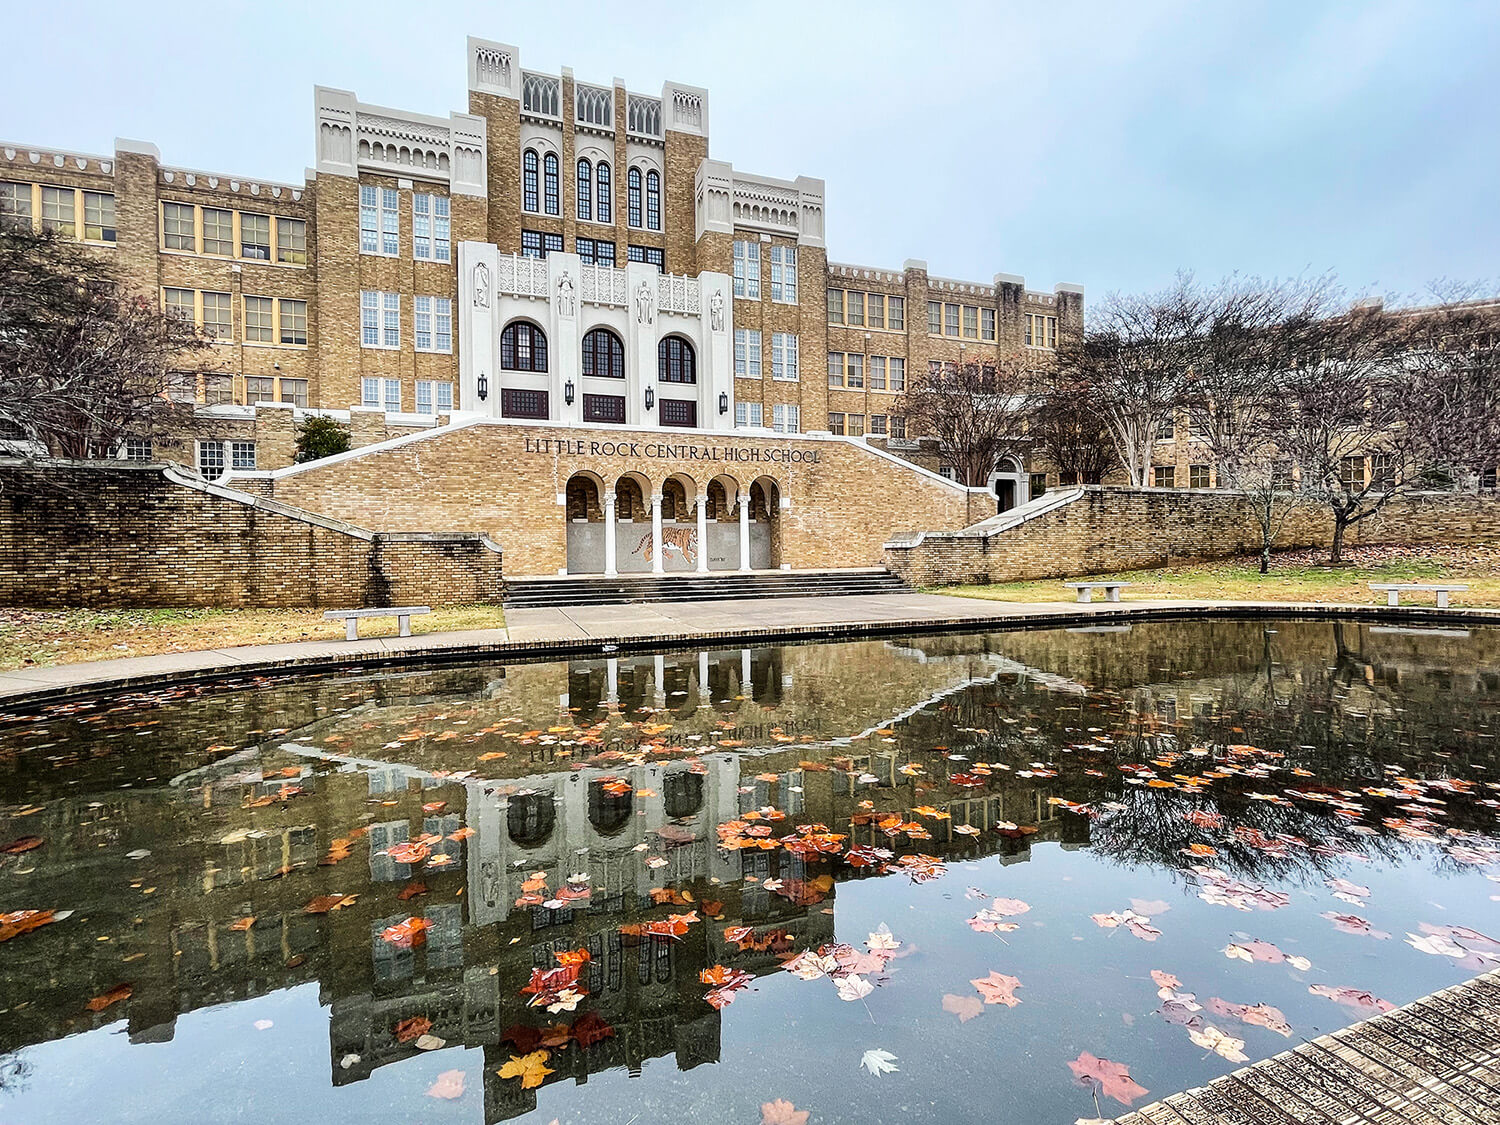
(1296, 576)
(30, 637)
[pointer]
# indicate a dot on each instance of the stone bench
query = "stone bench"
(1394, 590)
(1086, 590)
(350, 617)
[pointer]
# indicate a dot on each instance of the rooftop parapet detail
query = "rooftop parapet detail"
(844, 271)
(354, 137)
(24, 155)
(726, 200)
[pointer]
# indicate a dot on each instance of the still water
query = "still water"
(743, 885)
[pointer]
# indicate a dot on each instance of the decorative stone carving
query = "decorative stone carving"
(481, 286)
(716, 311)
(645, 303)
(565, 295)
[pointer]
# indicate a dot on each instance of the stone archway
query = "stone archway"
(765, 524)
(1009, 485)
(633, 524)
(584, 512)
(722, 522)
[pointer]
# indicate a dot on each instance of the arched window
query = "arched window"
(653, 200)
(549, 182)
(603, 354)
(675, 362)
(606, 206)
(530, 818)
(523, 347)
(528, 180)
(633, 196)
(585, 190)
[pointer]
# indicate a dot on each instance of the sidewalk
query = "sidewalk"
(591, 630)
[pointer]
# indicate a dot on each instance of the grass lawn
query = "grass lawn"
(31, 637)
(1296, 576)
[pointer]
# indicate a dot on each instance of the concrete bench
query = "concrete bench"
(1086, 590)
(350, 617)
(1394, 590)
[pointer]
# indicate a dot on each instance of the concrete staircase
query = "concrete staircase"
(589, 589)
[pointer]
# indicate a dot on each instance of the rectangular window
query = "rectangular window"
(877, 372)
(99, 216)
(856, 425)
(293, 321)
(369, 319)
(379, 319)
(747, 270)
(934, 318)
(242, 455)
(379, 220)
(392, 395)
(835, 423)
(786, 418)
(986, 324)
(538, 244)
(784, 357)
(1382, 472)
(15, 204)
(218, 317)
(898, 427)
(898, 373)
(180, 303)
(1164, 476)
(784, 274)
(593, 251)
(390, 335)
(369, 392)
(835, 306)
(294, 391)
(259, 388)
(1166, 427)
(434, 324)
(369, 219)
(177, 227)
(218, 390)
(748, 414)
(651, 255)
(137, 449)
(747, 353)
(1352, 472)
(518, 403)
(291, 241)
(211, 459)
(260, 328)
(430, 227)
(950, 320)
(895, 316)
(875, 310)
(59, 211)
(1040, 331)
(1037, 485)
(971, 322)
(604, 408)
(677, 412)
(434, 398)
(255, 237)
(856, 314)
(878, 424)
(854, 371)
(835, 369)
(1198, 476)
(218, 231)
(1281, 476)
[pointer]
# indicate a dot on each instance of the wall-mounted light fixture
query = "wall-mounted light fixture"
(483, 387)
(650, 398)
(568, 392)
(723, 402)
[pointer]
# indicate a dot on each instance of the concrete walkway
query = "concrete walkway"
(590, 630)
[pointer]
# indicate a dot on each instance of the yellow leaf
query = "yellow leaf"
(528, 1068)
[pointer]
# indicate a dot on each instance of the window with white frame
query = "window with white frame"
(747, 353)
(784, 274)
(369, 391)
(897, 367)
(747, 269)
(434, 397)
(433, 326)
(242, 455)
(391, 393)
(835, 369)
(379, 220)
(379, 319)
(137, 449)
(786, 418)
(748, 414)
(430, 227)
(211, 459)
(784, 357)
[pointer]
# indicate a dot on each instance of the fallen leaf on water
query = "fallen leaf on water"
(408, 934)
(243, 923)
(1112, 1078)
(413, 1027)
(1150, 908)
(1264, 951)
(878, 1062)
(964, 1007)
(411, 891)
(997, 988)
(449, 1085)
(263, 1025)
(430, 1043)
(113, 996)
(1166, 983)
(1352, 998)
(19, 922)
(590, 1028)
(854, 987)
(528, 1068)
(1212, 1039)
(782, 1112)
(24, 844)
(325, 903)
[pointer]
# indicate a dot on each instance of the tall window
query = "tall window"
(748, 414)
(177, 226)
(433, 325)
(835, 306)
(633, 197)
(835, 369)
(675, 362)
(255, 237)
(218, 317)
(529, 199)
(987, 324)
(291, 241)
(1041, 331)
(550, 184)
(935, 318)
(876, 317)
(971, 322)
(218, 231)
(747, 269)
(653, 200)
(431, 227)
(603, 354)
(877, 372)
(434, 398)
(379, 220)
(604, 204)
(293, 324)
(854, 371)
(259, 328)
(60, 213)
(99, 216)
(896, 314)
(784, 274)
(786, 418)
(585, 190)
(379, 319)
(523, 347)
(897, 367)
(747, 353)
(784, 357)
(950, 320)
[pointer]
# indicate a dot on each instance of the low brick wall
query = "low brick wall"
(1111, 529)
(112, 535)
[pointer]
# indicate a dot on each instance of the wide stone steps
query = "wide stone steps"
(534, 593)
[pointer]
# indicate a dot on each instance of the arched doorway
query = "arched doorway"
(633, 524)
(680, 547)
(584, 512)
(1009, 484)
(765, 524)
(722, 523)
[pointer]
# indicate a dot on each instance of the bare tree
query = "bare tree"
(1069, 430)
(85, 363)
(977, 412)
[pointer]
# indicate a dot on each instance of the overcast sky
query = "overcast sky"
(1108, 144)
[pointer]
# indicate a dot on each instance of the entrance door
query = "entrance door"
(1005, 495)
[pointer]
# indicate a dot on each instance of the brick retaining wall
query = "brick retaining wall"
(107, 535)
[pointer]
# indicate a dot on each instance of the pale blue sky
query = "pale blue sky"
(1107, 144)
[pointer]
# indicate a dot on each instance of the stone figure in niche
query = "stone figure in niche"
(645, 304)
(565, 295)
(716, 311)
(481, 286)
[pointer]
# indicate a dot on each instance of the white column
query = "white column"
(658, 556)
(745, 530)
(703, 533)
(609, 535)
(659, 680)
(612, 680)
(745, 672)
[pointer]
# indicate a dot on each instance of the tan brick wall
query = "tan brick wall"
(1114, 529)
(492, 478)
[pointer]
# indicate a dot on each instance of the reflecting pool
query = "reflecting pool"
(1027, 876)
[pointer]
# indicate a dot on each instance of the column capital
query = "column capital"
(609, 499)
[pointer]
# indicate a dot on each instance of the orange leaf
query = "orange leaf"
(528, 1068)
(408, 934)
(24, 844)
(411, 1028)
(243, 923)
(113, 996)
